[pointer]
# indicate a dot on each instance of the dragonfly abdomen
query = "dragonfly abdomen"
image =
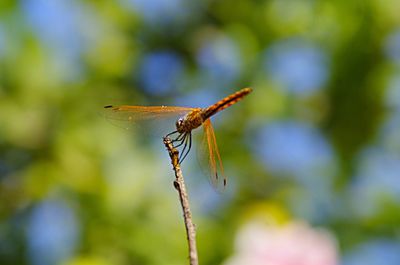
(224, 103)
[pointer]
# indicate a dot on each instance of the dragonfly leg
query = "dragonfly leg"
(183, 154)
(171, 133)
(181, 138)
(184, 147)
(184, 139)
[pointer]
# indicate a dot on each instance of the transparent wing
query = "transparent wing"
(137, 113)
(138, 116)
(216, 170)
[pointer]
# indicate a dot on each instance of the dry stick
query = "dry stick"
(179, 185)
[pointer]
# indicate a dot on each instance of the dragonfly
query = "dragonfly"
(191, 118)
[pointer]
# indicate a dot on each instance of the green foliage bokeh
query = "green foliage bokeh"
(55, 144)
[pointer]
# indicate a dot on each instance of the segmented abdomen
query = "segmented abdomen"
(224, 103)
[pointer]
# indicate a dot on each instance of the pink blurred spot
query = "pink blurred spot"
(292, 244)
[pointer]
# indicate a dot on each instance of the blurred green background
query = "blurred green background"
(317, 142)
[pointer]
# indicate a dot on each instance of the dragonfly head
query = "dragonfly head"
(179, 123)
(190, 121)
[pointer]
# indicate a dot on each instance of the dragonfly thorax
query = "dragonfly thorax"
(190, 121)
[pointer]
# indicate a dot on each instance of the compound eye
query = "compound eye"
(179, 122)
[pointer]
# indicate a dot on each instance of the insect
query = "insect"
(192, 118)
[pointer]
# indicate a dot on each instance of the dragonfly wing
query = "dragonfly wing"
(214, 158)
(129, 116)
(137, 113)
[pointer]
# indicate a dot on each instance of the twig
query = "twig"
(179, 185)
